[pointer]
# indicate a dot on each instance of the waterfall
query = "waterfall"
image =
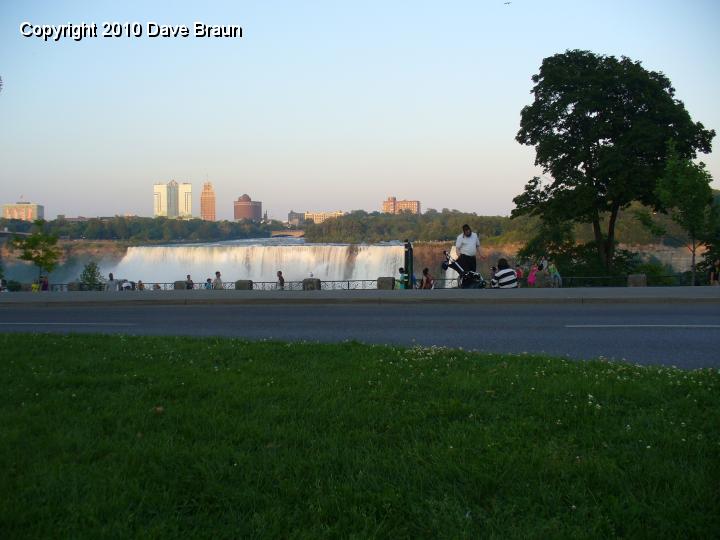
(259, 260)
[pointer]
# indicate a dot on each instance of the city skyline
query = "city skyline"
(317, 106)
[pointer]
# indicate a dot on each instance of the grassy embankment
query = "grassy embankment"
(177, 437)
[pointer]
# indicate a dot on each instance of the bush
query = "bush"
(14, 286)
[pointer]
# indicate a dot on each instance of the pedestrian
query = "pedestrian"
(140, 285)
(280, 281)
(112, 284)
(715, 273)
(427, 281)
(208, 284)
(156, 287)
(519, 273)
(467, 246)
(532, 275)
(217, 282)
(44, 284)
(189, 283)
(400, 283)
(505, 277)
(555, 278)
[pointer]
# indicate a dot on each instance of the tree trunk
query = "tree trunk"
(599, 241)
(692, 266)
(610, 241)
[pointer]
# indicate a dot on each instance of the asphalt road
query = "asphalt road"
(684, 335)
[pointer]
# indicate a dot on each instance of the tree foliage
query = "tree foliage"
(600, 128)
(360, 226)
(684, 192)
(91, 276)
(39, 248)
(138, 229)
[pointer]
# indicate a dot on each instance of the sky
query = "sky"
(321, 105)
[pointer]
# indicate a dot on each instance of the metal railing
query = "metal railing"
(668, 280)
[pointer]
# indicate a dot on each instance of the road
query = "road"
(684, 335)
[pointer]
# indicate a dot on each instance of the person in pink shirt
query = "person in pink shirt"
(531, 275)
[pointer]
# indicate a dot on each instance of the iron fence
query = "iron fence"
(668, 280)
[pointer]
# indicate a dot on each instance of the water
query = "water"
(259, 260)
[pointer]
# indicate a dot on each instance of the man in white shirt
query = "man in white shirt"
(467, 246)
(112, 284)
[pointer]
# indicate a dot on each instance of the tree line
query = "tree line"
(140, 229)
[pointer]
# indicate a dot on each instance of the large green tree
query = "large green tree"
(600, 127)
(38, 248)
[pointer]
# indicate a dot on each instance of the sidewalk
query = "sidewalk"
(440, 296)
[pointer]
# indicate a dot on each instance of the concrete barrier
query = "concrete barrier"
(386, 283)
(244, 285)
(637, 280)
(311, 284)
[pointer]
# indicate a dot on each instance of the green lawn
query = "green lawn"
(116, 437)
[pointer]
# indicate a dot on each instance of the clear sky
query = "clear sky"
(322, 105)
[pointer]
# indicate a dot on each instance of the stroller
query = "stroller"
(468, 279)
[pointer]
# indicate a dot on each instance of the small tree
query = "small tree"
(91, 276)
(685, 193)
(38, 248)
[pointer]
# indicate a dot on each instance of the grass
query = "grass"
(116, 437)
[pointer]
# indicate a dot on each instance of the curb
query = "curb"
(619, 295)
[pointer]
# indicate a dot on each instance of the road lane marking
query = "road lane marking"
(642, 326)
(64, 324)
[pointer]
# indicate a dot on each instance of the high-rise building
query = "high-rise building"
(185, 200)
(26, 211)
(319, 217)
(393, 206)
(172, 200)
(160, 202)
(246, 208)
(207, 202)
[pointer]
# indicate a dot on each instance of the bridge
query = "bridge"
(290, 233)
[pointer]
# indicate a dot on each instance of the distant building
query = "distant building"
(207, 202)
(393, 206)
(172, 200)
(319, 217)
(246, 208)
(296, 219)
(160, 205)
(78, 219)
(26, 211)
(185, 200)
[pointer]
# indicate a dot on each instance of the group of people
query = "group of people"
(503, 276)
(209, 283)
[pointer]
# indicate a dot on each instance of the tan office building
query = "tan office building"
(25, 211)
(319, 217)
